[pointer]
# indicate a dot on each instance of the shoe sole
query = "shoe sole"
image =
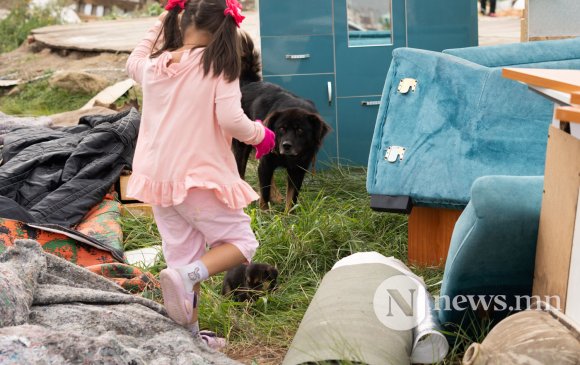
(212, 341)
(174, 302)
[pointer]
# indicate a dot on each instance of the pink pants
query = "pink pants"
(202, 219)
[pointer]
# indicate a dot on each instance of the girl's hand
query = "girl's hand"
(267, 144)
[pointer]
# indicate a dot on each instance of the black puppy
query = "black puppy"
(246, 282)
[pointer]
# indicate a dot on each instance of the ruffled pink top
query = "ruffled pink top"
(186, 131)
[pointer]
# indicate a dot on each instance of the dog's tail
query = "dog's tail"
(251, 66)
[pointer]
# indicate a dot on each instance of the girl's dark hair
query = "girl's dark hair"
(223, 53)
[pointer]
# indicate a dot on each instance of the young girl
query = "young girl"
(183, 164)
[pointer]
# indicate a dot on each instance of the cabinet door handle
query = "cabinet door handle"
(370, 102)
(297, 56)
(330, 93)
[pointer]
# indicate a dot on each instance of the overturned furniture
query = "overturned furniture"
(448, 118)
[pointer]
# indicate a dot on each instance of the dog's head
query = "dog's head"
(297, 131)
(261, 277)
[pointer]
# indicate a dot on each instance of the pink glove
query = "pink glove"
(267, 144)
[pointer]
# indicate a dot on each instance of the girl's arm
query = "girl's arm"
(136, 62)
(230, 115)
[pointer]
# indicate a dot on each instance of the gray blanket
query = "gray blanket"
(9, 122)
(54, 312)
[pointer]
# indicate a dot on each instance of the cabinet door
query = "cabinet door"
(441, 24)
(319, 89)
(295, 17)
(366, 32)
(356, 127)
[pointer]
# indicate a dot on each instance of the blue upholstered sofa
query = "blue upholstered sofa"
(493, 248)
(461, 121)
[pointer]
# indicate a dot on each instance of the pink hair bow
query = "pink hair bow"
(173, 3)
(233, 8)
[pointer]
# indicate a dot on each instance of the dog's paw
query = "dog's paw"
(264, 205)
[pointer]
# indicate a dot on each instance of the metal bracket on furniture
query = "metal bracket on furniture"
(394, 152)
(407, 84)
(391, 204)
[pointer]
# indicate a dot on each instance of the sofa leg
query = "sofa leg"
(430, 231)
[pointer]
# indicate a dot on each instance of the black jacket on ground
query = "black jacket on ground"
(59, 175)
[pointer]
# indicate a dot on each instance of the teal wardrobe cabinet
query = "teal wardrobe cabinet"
(337, 53)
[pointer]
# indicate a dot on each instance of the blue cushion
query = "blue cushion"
(493, 246)
(463, 121)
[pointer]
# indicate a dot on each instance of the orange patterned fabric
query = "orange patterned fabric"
(100, 223)
(56, 243)
(129, 277)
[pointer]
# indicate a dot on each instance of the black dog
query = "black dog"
(247, 282)
(298, 126)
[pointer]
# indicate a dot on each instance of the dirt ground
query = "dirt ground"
(257, 354)
(28, 62)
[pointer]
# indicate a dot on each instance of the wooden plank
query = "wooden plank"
(123, 181)
(110, 94)
(550, 38)
(100, 36)
(137, 209)
(557, 218)
(430, 231)
(573, 294)
(9, 83)
(120, 35)
(575, 98)
(567, 81)
(524, 25)
(568, 114)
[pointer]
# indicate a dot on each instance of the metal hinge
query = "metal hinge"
(407, 84)
(394, 152)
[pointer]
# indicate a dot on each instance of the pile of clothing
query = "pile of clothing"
(55, 188)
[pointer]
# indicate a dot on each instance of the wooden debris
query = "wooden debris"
(137, 209)
(103, 36)
(110, 94)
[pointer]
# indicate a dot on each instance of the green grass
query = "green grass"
(17, 25)
(39, 98)
(331, 221)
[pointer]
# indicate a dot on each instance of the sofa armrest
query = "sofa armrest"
(493, 248)
(502, 198)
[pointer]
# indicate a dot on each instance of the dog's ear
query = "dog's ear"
(321, 128)
(272, 272)
(272, 119)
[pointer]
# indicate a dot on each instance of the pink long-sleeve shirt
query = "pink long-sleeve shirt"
(187, 124)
